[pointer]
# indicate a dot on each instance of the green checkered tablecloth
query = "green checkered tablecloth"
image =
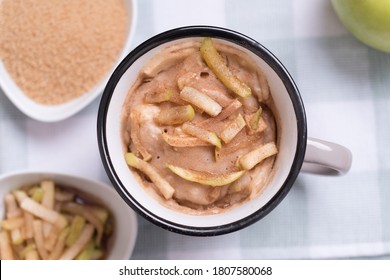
(346, 89)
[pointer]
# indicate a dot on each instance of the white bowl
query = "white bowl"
(52, 113)
(125, 221)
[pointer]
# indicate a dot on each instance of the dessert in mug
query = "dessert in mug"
(199, 127)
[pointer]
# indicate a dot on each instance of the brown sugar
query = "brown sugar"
(57, 50)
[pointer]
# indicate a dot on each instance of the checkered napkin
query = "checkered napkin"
(346, 89)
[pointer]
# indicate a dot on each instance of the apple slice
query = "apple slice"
(183, 141)
(42, 212)
(232, 129)
(205, 178)
(226, 112)
(6, 250)
(200, 100)
(12, 223)
(12, 207)
(163, 185)
(160, 96)
(176, 115)
(202, 134)
(220, 97)
(255, 122)
(255, 119)
(249, 160)
(214, 60)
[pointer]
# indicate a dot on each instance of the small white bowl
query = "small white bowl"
(125, 221)
(52, 113)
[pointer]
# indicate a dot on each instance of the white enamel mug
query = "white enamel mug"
(296, 151)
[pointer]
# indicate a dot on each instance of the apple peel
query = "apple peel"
(205, 178)
(183, 141)
(163, 185)
(215, 62)
(202, 134)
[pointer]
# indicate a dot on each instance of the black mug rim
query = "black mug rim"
(251, 45)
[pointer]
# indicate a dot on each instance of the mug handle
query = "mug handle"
(326, 158)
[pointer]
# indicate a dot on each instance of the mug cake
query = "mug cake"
(199, 127)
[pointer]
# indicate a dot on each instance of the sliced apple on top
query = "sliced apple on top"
(163, 185)
(175, 115)
(252, 158)
(255, 122)
(215, 62)
(183, 141)
(225, 113)
(202, 134)
(159, 96)
(206, 178)
(200, 100)
(218, 96)
(232, 129)
(255, 119)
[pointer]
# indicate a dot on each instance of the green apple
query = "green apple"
(367, 20)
